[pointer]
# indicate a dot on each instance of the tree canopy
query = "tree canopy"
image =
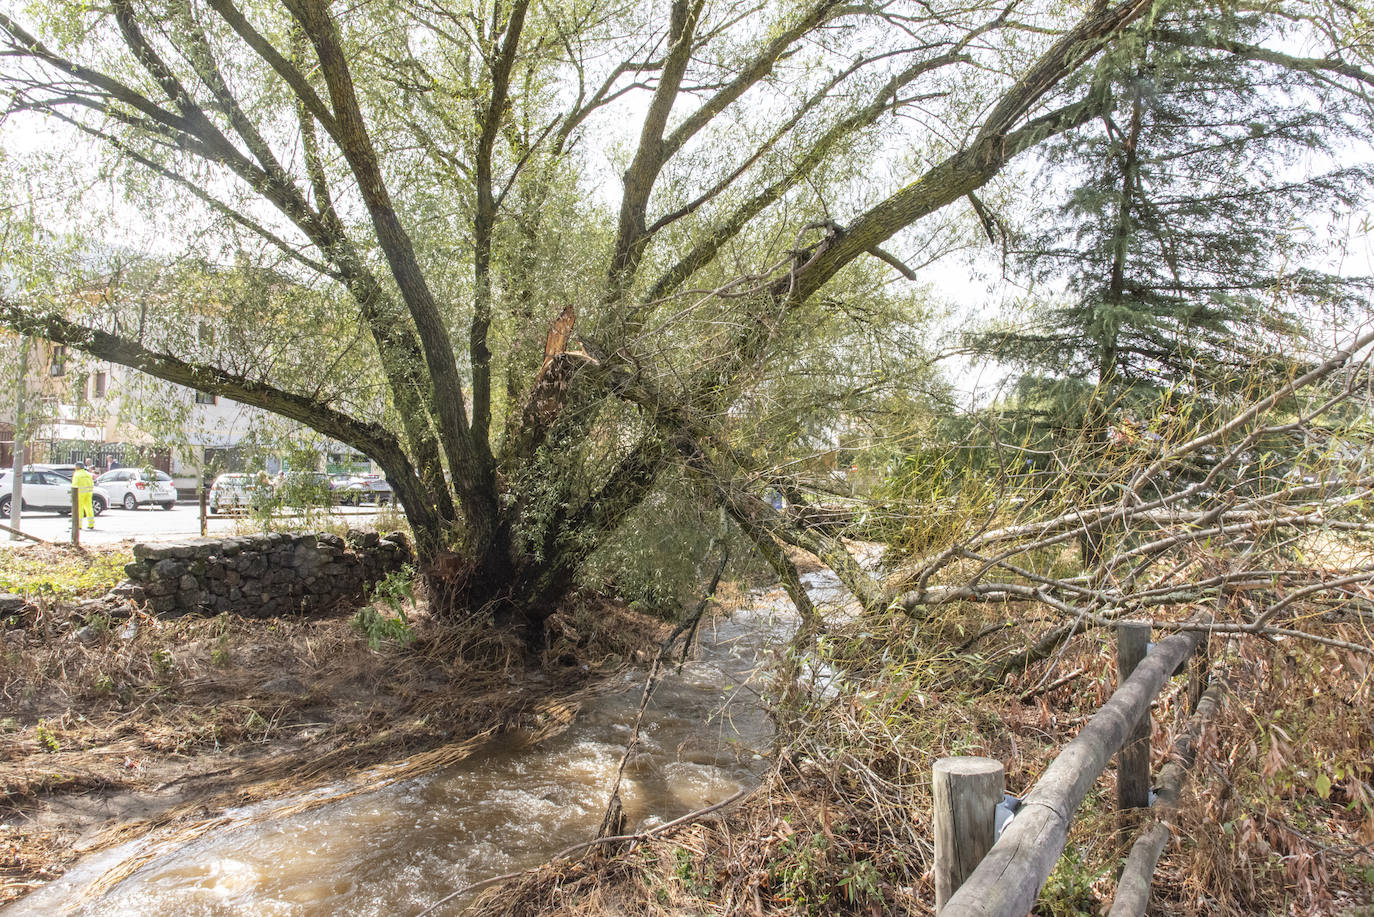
(533, 256)
(1189, 225)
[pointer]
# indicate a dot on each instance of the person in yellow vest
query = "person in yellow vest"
(85, 486)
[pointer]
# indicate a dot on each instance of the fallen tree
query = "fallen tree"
(424, 184)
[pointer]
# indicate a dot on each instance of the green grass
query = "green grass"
(61, 573)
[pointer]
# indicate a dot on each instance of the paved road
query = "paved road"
(154, 524)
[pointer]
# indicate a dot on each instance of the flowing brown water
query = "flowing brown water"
(401, 848)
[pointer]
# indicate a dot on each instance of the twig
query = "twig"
(586, 845)
(1057, 683)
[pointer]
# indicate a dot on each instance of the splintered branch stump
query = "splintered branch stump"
(967, 791)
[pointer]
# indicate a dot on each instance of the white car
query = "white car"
(239, 493)
(46, 490)
(134, 487)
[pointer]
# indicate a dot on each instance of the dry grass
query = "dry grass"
(843, 826)
(141, 724)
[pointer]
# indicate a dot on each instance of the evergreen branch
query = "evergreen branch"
(1239, 49)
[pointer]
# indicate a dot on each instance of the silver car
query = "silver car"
(238, 493)
(365, 488)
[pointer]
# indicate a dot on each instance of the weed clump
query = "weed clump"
(396, 591)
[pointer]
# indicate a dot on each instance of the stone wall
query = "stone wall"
(260, 576)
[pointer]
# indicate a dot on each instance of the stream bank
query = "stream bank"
(118, 729)
(401, 835)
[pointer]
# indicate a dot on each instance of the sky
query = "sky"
(971, 283)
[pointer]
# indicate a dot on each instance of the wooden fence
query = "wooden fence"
(976, 877)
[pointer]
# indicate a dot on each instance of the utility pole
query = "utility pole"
(17, 479)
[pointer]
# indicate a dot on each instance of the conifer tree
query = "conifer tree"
(1181, 233)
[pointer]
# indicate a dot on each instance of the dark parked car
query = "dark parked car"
(365, 488)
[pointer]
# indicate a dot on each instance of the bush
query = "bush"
(396, 591)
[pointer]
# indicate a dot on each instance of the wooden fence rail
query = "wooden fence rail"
(15, 532)
(1008, 879)
(1133, 888)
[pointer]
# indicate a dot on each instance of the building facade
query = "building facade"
(107, 415)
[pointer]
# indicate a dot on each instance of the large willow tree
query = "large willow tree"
(539, 342)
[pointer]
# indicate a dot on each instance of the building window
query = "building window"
(202, 398)
(98, 386)
(57, 366)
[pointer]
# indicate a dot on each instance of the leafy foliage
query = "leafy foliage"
(396, 591)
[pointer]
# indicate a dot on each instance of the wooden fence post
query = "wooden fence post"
(1133, 761)
(967, 791)
(76, 516)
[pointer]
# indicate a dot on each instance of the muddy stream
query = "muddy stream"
(511, 805)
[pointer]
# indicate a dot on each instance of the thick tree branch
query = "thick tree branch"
(371, 439)
(750, 74)
(202, 58)
(472, 473)
(197, 191)
(300, 87)
(483, 225)
(949, 180)
(704, 251)
(649, 154)
(110, 88)
(815, 100)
